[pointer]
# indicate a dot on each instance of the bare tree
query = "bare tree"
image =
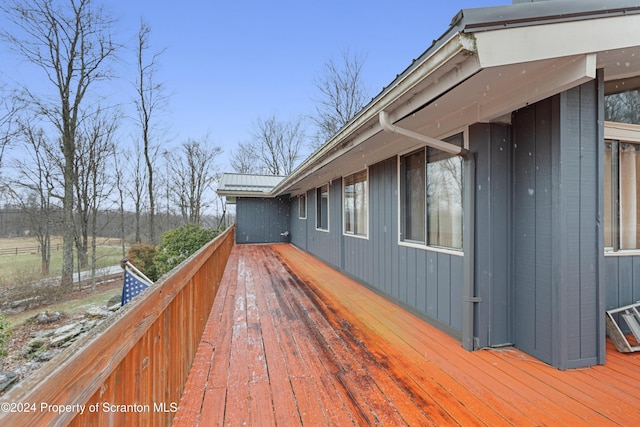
(278, 144)
(36, 178)
(150, 99)
(70, 42)
(94, 149)
(341, 95)
(134, 187)
(244, 159)
(119, 181)
(193, 173)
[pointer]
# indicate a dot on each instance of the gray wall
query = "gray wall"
(262, 220)
(326, 246)
(491, 145)
(299, 226)
(622, 276)
(557, 246)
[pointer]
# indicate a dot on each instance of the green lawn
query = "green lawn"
(27, 266)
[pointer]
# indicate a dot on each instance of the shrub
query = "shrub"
(5, 334)
(179, 244)
(142, 256)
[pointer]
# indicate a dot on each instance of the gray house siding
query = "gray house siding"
(262, 220)
(491, 145)
(299, 226)
(622, 276)
(324, 245)
(557, 245)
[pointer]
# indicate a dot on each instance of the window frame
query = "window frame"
(365, 233)
(302, 213)
(616, 133)
(463, 134)
(319, 196)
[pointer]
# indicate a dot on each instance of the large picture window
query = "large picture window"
(431, 197)
(622, 195)
(355, 204)
(322, 208)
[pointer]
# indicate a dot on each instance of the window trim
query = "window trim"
(302, 215)
(318, 207)
(344, 205)
(419, 245)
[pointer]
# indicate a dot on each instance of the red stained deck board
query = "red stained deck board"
(294, 342)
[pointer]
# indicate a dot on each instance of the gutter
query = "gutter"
(468, 228)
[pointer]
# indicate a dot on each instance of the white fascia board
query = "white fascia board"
(534, 43)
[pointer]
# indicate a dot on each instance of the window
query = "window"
(623, 107)
(322, 207)
(621, 195)
(302, 206)
(355, 204)
(431, 197)
(414, 201)
(622, 167)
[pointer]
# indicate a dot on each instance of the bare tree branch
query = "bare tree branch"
(192, 170)
(341, 95)
(277, 144)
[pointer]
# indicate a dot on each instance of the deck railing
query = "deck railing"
(132, 369)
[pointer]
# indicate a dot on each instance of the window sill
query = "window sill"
(357, 236)
(623, 252)
(454, 252)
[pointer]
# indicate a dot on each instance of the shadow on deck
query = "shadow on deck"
(291, 341)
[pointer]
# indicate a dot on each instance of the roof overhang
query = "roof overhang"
(471, 77)
(233, 185)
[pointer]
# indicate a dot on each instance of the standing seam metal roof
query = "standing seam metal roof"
(240, 183)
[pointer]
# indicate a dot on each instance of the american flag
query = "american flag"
(132, 286)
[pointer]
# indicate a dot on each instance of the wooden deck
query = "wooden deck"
(290, 341)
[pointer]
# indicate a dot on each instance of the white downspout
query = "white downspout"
(468, 291)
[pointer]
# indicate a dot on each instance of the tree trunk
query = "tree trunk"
(68, 147)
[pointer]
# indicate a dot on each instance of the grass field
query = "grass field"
(26, 264)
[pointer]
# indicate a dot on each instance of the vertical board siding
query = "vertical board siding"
(262, 220)
(622, 276)
(491, 145)
(556, 248)
(524, 255)
(299, 226)
(326, 245)
(581, 194)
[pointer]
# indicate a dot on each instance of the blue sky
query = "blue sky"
(226, 64)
